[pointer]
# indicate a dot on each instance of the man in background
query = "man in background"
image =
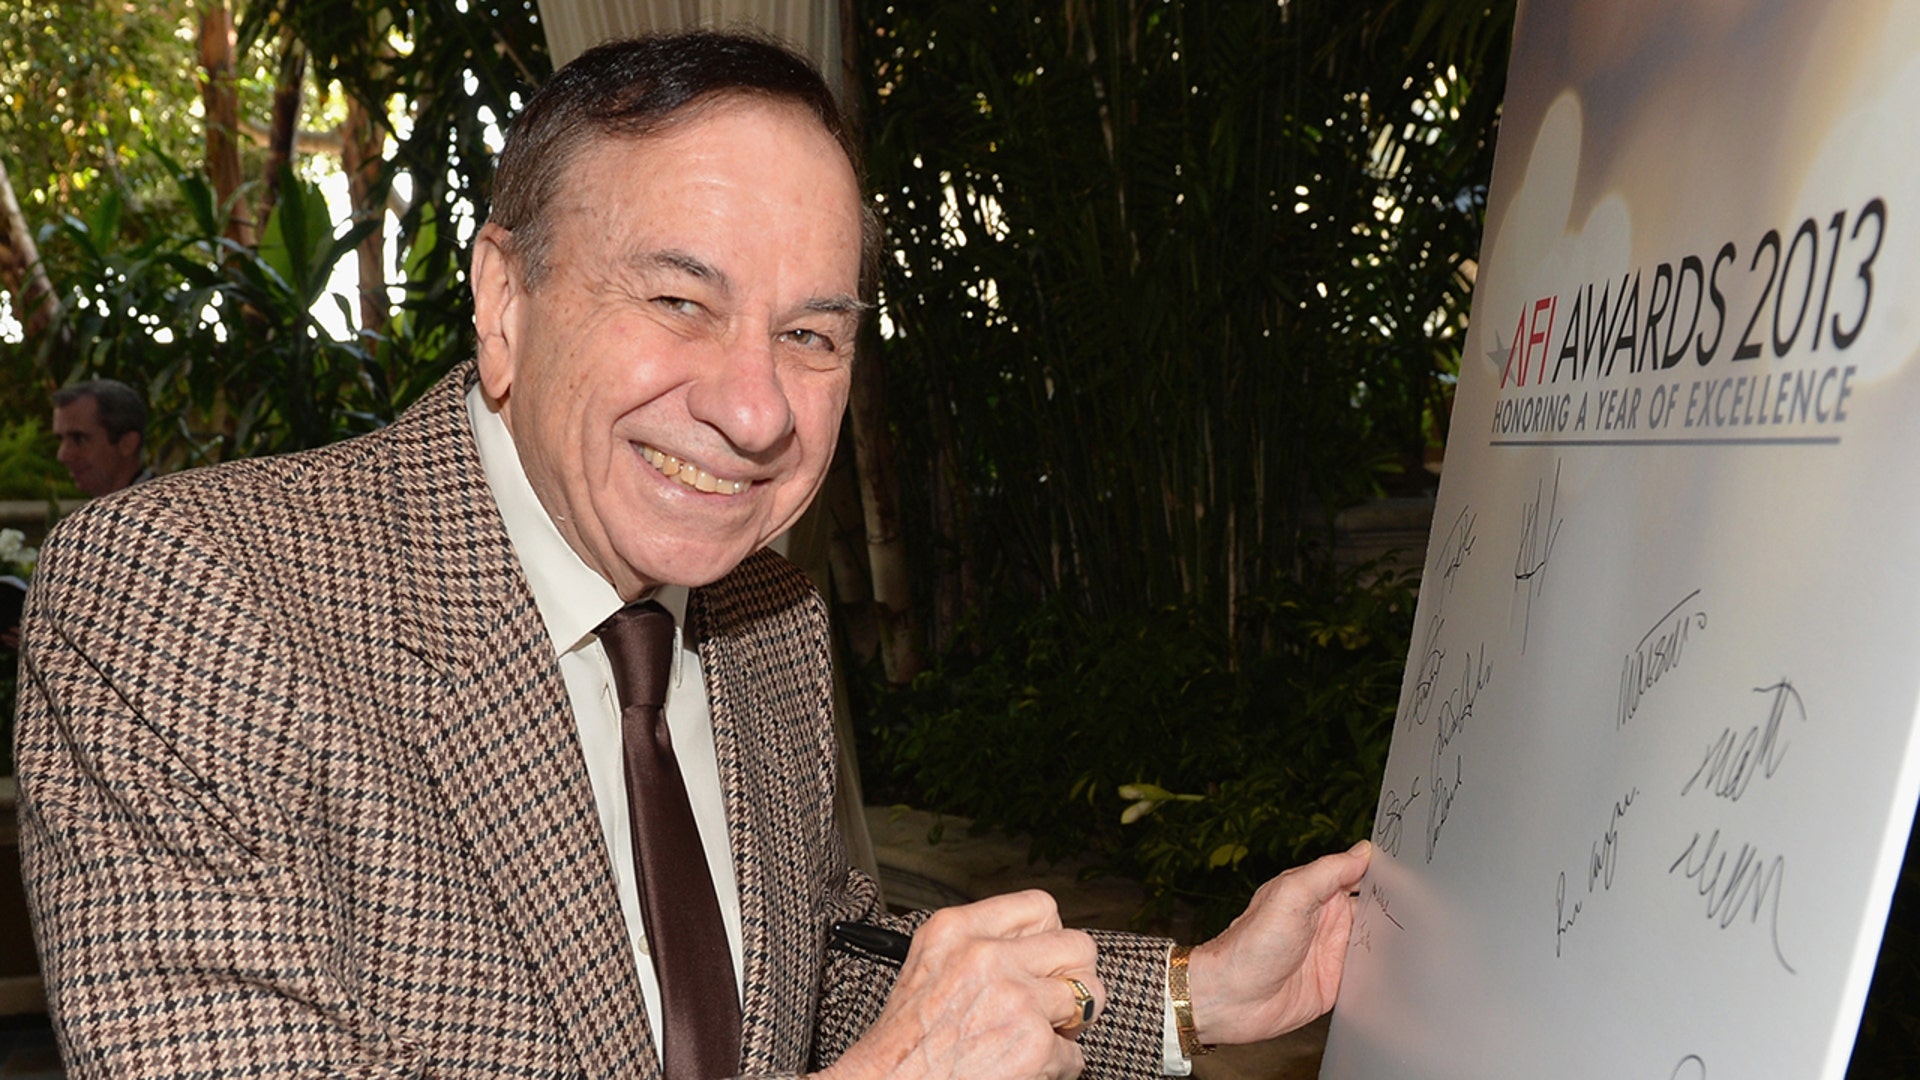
(101, 425)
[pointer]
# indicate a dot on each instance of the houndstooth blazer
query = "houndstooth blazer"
(301, 792)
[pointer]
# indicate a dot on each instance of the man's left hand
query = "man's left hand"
(1278, 966)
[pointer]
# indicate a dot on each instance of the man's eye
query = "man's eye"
(810, 339)
(679, 305)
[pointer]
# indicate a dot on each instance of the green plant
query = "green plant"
(442, 78)
(104, 98)
(28, 469)
(222, 339)
(1168, 280)
(94, 89)
(222, 336)
(1059, 726)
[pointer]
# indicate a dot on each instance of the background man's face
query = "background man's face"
(674, 384)
(98, 463)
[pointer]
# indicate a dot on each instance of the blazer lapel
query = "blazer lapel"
(765, 665)
(501, 738)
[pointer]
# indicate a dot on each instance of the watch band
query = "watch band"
(1182, 998)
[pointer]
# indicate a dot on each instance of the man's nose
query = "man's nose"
(742, 397)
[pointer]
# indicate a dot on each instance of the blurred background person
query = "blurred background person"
(102, 428)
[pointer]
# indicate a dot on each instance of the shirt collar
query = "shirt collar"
(571, 596)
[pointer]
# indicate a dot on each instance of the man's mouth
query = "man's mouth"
(691, 476)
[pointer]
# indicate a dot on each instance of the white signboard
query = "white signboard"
(1655, 755)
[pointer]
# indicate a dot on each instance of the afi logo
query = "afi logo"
(1531, 333)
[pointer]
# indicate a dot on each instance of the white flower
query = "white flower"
(14, 552)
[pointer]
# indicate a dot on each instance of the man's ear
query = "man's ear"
(129, 443)
(497, 290)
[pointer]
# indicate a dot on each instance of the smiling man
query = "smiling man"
(494, 743)
(674, 381)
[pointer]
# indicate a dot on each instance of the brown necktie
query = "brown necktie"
(699, 1007)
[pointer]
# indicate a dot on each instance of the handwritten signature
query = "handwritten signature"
(1451, 557)
(1455, 549)
(1457, 709)
(1538, 533)
(1440, 807)
(1656, 653)
(1602, 858)
(1387, 833)
(1379, 899)
(1731, 763)
(1562, 921)
(1475, 674)
(1752, 885)
(1361, 936)
(1427, 674)
(1604, 855)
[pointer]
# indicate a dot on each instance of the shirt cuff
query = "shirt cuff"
(1172, 1061)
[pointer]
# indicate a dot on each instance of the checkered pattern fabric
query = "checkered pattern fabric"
(301, 792)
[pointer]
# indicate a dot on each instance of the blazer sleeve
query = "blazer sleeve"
(1125, 1043)
(177, 934)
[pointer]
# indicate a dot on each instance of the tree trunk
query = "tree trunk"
(873, 456)
(286, 117)
(221, 102)
(35, 303)
(873, 453)
(362, 139)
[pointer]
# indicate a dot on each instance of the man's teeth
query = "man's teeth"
(697, 479)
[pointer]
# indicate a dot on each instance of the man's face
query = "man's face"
(98, 464)
(674, 383)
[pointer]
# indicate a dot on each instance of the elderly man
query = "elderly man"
(356, 762)
(101, 425)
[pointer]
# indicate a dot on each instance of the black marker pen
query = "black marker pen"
(876, 941)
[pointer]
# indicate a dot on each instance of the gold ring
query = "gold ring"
(1083, 998)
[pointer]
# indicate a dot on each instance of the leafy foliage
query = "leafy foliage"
(1168, 280)
(94, 94)
(102, 103)
(27, 465)
(100, 96)
(1053, 717)
(220, 336)
(445, 76)
(92, 88)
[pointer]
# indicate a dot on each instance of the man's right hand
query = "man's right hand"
(983, 992)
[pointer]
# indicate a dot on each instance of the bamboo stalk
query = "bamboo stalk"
(221, 102)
